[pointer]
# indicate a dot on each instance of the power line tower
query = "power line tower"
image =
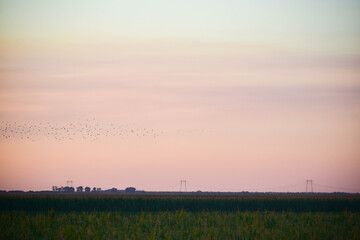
(69, 183)
(183, 182)
(309, 183)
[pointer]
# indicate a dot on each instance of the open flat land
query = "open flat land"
(179, 216)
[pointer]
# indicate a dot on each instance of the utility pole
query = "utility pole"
(69, 183)
(181, 184)
(309, 183)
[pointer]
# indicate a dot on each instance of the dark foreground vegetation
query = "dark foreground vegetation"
(179, 225)
(170, 216)
(156, 203)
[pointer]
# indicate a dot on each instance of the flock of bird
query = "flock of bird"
(89, 129)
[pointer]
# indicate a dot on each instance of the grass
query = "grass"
(100, 216)
(179, 225)
(156, 203)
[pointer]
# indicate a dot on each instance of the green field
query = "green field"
(115, 216)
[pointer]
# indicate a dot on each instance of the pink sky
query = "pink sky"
(263, 112)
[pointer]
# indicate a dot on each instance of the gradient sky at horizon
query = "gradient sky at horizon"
(267, 92)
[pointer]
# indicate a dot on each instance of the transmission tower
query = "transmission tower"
(183, 182)
(309, 183)
(69, 183)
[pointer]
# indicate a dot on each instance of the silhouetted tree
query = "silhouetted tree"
(130, 190)
(87, 189)
(79, 189)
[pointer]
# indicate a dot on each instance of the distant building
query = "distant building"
(69, 189)
(63, 189)
(96, 189)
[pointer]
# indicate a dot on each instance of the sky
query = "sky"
(227, 95)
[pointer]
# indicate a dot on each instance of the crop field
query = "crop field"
(179, 216)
